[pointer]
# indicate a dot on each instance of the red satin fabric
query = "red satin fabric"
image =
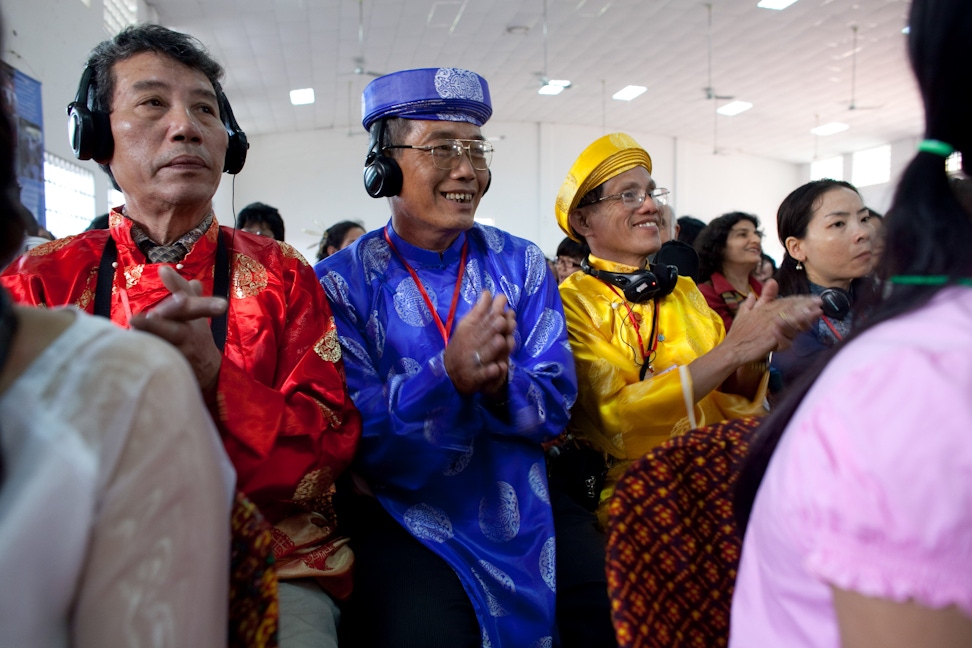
(281, 405)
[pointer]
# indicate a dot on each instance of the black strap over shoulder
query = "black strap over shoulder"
(221, 272)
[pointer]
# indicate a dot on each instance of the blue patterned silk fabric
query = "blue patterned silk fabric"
(465, 477)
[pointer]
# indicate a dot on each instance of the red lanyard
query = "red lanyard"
(444, 329)
(832, 328)
(647, 355)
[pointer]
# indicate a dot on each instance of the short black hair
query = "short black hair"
(259, 212)
(689, 228)
(137, 39)
(574, 249)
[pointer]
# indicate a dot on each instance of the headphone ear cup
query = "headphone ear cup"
(382, 177)
(238, 145)
(667, 279)
(489, 180)
(90, 134)
(236, 153)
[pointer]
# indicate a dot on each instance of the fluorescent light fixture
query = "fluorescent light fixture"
(829, 129)
(734, 108)
(627, 93)
(302, 97)
(775, 4)
(554, 86)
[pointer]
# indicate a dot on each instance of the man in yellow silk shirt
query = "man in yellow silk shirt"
(653, 360)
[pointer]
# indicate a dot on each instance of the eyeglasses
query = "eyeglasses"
(634, 199)
(567, 263)
(447, 153)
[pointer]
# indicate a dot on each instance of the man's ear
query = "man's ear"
(794, 247)
(577, 220)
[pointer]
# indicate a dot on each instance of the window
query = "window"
(69, 195)
(871, 167)
(118, 15)
(829, 168)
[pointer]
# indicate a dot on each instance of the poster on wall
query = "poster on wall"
(22, 95)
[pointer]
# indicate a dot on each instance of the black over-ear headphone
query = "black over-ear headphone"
(382, 175)
(656, 282)
(836, 303)
(90, 130)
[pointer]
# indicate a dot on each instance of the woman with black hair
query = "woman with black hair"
(339, 236)
(858, 492)
(730, 248)
(828, 236)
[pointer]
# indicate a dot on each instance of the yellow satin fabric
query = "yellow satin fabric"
(617, 412)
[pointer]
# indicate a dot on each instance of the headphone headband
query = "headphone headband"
(90, 130)
(641, 285)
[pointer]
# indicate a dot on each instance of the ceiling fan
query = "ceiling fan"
(711, 94)
(852, 104)
(360, 68)
(709, 90)
(549, 86)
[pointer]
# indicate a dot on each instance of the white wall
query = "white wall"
(314, 178)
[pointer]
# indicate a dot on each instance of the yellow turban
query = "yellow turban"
(607, 157)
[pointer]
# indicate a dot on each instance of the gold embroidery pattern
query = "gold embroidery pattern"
(315, 493)
(290, 253)
(328, 347)
(249, 277)
(332, 418)
(314, 485)
(133, 274)
(51, 246)
(87, 295)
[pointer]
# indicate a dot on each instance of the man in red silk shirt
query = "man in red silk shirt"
(271, 368)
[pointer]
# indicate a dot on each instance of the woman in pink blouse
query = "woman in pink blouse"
(858, 494)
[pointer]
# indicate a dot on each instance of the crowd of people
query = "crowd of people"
(430, 423)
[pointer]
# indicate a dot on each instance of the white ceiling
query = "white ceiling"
(794, 65)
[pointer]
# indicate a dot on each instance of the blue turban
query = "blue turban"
(434, 94)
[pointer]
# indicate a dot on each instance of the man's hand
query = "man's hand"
(182, 320)
(770, 323)
(477, 357)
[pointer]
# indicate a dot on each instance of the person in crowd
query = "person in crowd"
(245, 311)
(857, 494)
(98, 222)
(339, 236)
(826, 231)
(673, 251)
(457, 357)
(668, 227)
(730, 248)
(653, 360)
(115, 492)
(877, 245)
(262, 220)
(570, 255)
(766, 269)
(688, 228)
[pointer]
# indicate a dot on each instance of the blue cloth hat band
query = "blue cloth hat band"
(434, 94)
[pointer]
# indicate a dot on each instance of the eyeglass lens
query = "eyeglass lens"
(447, 153)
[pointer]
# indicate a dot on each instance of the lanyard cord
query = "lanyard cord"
(647, 355)
(444, 329)
(832, 328)
(107, 277)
